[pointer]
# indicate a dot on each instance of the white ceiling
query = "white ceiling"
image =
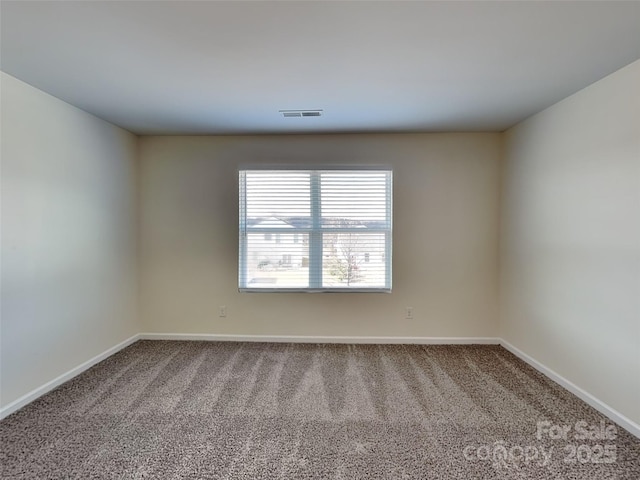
(180, 67)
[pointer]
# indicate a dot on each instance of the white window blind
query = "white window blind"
(315, 230)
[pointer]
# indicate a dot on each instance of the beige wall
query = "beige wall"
(445, 237)
(68, 238)
(571, 239)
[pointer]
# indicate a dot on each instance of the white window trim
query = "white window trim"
(315, 243)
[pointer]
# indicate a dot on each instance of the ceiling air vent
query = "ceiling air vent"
(301, 113)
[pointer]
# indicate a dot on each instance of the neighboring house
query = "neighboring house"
(276, 243)
(277, 246)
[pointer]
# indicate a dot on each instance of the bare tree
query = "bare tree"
(350, 248)
(346, 253)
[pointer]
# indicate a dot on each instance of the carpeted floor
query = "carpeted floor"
(203, 410)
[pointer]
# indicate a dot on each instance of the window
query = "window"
(333, 230)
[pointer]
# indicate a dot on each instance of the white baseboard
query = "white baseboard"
(322, 339)
(585, 396)
(74, 372)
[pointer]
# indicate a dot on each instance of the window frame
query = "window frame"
(316, 231)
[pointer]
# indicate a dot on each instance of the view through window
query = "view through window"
(315, 230)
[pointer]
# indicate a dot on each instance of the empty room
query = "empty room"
(320, 239)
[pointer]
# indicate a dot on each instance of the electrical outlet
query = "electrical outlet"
(408, 313)
(223, 311)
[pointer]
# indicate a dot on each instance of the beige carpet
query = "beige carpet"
(202, 410)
